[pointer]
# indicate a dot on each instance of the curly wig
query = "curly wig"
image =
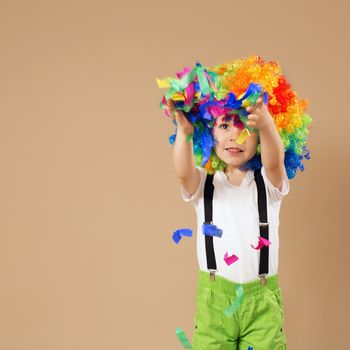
(227, 89)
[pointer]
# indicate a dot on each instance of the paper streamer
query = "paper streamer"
(183, 338)
(263, 242)
(183, 88)
(250, 97)
(211, 230)
(232, 308)
(177, 235)
(230, 259)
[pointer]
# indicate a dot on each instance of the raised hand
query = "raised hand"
(259, 117)
(182, 121)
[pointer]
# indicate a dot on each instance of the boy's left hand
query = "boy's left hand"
(259, 117)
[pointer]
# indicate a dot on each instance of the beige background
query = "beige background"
(89, 199)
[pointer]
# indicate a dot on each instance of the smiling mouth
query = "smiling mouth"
(233, 149)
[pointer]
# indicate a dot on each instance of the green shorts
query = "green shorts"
(257, 324)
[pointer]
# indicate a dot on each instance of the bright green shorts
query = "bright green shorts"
(258, 323)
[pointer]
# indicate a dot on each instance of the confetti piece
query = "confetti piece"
(164, 83)
(178, 97)
(232, 308)
(183, 338)
(211, 230)
(230, 259)
(243, 136)
(263, 242)
(177, 235)
(251, 95)
(250, 348)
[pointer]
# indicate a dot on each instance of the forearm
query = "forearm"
(183, 155)
(272, 148)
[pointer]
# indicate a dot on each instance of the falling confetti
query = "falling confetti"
(232, 308)
(183, 338)
(211, 230)
(177, 235)
(243, 136)
(230, 259)
(263, 242)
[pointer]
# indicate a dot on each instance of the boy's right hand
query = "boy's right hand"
(183, 123)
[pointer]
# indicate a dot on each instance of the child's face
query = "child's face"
(225, 133)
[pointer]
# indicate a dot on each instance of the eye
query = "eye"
(223, 125)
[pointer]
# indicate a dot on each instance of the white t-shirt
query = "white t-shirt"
(235, 211)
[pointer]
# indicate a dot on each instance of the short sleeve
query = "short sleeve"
(188, 197)
(274, 193)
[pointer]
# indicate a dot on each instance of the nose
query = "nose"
(234, 133)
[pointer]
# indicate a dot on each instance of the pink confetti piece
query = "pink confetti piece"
(230, 259)
(263, 242)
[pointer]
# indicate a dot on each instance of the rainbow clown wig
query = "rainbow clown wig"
(227, 89)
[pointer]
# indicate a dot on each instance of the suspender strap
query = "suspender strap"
(208, 217)
(263, 223)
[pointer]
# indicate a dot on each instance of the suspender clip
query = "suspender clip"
(263, 279)
(263, 224)
(212, 274)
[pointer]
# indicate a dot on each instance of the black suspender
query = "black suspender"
(263, 223)
(208, 218)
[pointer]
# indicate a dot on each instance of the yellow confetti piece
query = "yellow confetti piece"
(243, 136)
(165, 83)
(178, 97)
(245, 103)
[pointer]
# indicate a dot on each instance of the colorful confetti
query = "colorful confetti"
(183, 338)
(243, 136)
(230, 259)
(232, 308)
(228, 88)
(211, 230)
(177, 235)
(263, 242)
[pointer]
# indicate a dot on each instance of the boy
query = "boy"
(258, 318)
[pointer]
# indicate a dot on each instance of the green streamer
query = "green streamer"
(203, 81)
(232, 308)
(183, 338)
(179, 85)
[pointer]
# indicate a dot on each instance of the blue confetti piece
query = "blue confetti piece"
(252, 90)
(177, 235)
(250, 348)
(232, 101)
(211, 230)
